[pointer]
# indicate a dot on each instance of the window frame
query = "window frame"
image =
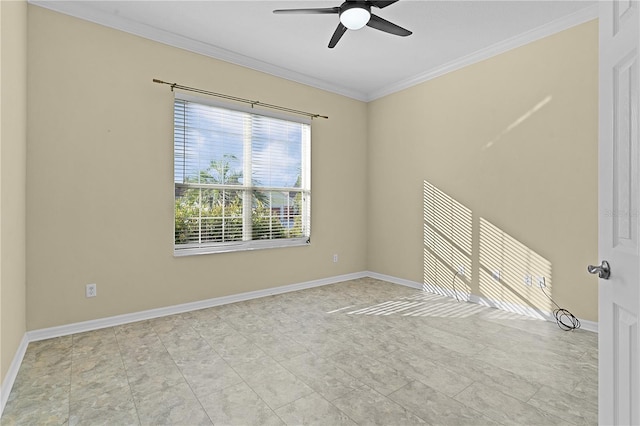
(247, 188)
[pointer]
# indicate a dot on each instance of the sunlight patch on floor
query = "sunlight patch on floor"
(421, 309)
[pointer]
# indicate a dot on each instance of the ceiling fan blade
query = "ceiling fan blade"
(340, 30)
(383, 25)
(381, 4)
(313, 11)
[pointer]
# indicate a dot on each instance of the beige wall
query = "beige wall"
(513, 140)
(100, 182)
(13, 142)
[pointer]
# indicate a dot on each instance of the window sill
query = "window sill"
(240, 246)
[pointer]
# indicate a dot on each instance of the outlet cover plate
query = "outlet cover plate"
(91, 290)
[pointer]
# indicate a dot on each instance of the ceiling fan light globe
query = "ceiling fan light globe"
(355, 18)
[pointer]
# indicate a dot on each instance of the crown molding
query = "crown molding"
(83, 11)
(580, 17)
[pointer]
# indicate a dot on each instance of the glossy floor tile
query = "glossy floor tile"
(361, 352)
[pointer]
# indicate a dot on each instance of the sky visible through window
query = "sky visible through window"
(215, 137)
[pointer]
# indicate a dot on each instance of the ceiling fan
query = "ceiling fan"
(354, 14)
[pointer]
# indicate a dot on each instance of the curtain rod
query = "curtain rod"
(234, 98)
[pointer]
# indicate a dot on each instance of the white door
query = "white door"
(619, 214)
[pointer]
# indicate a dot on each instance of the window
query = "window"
(242, 179)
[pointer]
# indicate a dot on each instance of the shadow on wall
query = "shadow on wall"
(448, 238)
(509, 273)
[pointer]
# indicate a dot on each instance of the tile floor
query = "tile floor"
(359, 352)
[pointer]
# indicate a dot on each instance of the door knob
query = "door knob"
(603, 271)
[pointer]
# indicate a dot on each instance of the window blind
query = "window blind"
(242, 180)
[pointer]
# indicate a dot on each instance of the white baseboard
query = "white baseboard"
(79, 327)
(12, 373)
(480, 300)
(394, 280)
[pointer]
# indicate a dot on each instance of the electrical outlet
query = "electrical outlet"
(91, 290)
(541, 282)
(335, 258)
(496, 275)
(460, 270)
(527, 280)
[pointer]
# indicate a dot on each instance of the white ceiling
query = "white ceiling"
(365, 64)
